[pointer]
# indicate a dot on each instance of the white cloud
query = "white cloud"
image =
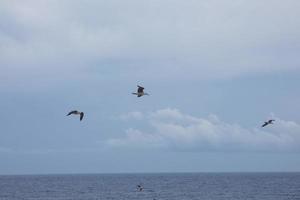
(132, 115)
(174, 38)
(138, 139)
(174, 130)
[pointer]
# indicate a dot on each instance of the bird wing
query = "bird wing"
(265, 124)
(81, 115)
(140, 187)
(140, 89)
(72, 112)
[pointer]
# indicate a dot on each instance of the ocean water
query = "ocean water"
(190, 186)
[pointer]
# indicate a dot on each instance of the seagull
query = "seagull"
(268, 122)
(140, 91)
(75, 112)
(139, 188)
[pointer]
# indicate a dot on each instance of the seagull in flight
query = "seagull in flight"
(268, 122)
(140, 91)
(75, 112)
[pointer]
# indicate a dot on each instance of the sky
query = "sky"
(215, 71)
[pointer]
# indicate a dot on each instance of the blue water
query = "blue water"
(202, 186)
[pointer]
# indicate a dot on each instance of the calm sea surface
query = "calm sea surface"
(204, 186)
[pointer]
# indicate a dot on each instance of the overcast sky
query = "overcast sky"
(215, 71)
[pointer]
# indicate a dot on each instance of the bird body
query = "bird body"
(75, 112)
(139, 188)
(268, 122)
(140, 92)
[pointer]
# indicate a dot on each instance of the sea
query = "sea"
(161, 186)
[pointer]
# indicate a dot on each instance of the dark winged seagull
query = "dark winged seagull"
(139, 188)
(140, 91)
(75, 112)
(268, 122)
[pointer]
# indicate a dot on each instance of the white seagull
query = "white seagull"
(268, 122)
(75, 112)
(140, 91)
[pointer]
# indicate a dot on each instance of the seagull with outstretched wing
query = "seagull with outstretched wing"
(75, 112)
(268, 122)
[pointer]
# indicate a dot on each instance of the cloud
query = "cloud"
(138, 139)
(174, 130)
(132, 115)
(150, 39)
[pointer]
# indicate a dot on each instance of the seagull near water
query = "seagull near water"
(139, 188)
(268, 122)
(140, 91)
(75, 112)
